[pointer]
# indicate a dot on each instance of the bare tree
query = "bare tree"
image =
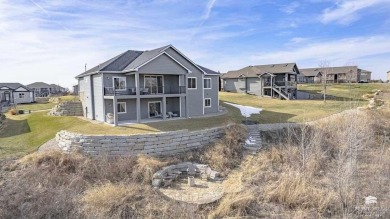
(325, 69)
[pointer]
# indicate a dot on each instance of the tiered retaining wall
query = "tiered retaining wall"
(67, 109)
(159, 144)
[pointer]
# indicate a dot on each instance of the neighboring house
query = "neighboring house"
(139, 86)
(310, 75)
(76, 90)
(275, 80)
(42, 89)
(343, 74)
(15, 93)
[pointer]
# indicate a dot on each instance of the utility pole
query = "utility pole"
(85, 67)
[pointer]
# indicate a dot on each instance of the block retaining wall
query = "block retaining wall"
(67, 109)
(158, 144)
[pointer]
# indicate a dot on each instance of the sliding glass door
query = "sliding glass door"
(155, 110)
(154, 84)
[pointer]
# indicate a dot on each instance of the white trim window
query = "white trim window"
(121, 107)
(207, 83)
(21, 95)
(207, 102)
(192, 83)
(119, 83)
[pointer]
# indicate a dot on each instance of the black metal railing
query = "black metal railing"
(110, 91)
(152, 90)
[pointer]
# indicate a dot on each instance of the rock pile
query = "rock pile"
(167, 175)
(67, 109)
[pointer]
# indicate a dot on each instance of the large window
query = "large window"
(121, 107)
(21, 95)
(154, 84)
(207, 83)
(191, 83)
(207, 102)
(120, 83)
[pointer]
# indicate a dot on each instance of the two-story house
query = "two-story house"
(141, 86)
(274, 80)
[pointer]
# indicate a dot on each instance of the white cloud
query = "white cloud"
(338, 52)
(208, 9)
(297, 40)
(347, 11)
(290, 8)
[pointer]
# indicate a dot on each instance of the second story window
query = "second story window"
(120, 83)
(191, 83)
(207, 83)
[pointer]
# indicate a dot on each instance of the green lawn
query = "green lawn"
(35, 106)
(280, 111)
(23, 134)
(345, 91)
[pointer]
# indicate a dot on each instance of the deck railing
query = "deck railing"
(152, 90)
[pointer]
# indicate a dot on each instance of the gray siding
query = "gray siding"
(213, 94)
(131, 111)
(234, 85)
(254, 86)
(163, 65)
(108, 80)
(195, 96)
(98, 97)
(86, 97)
(173, 105)
(28, 97)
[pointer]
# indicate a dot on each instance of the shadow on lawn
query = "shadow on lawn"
(14, 127)
(319, 96)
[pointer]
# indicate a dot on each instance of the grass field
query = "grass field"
(345, 91)
(23, 134)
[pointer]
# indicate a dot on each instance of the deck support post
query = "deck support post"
(115, 107)
(164, 108)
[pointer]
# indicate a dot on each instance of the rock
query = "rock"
(371, 200)
(157, 183)
(191, 181)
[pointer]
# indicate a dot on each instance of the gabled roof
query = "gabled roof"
(255, 71)
(330, 70)
(132, 59)
(39, 85)
(13, 86)
(208, 71)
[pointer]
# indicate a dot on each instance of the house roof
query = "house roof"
(208, 71)
(132, 59)
(39, 85)
(331, 70)
(310, 72)
(13, 86)
(255, 71)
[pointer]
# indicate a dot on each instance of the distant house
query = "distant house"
(274, 80)
(310, 75)
(42, 89)
(152, 85)
(15, 93)
(343, 74)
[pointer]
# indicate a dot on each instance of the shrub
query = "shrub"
(13, 112)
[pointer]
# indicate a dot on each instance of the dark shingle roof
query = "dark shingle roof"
(331, 70)
(254, 71)
(310, 72)
(39, 85)
(132, 59)
(208, 71)
(13, 86)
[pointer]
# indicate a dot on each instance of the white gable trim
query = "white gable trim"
(163, 53)
(5, 88)
(188, 59)
(21, 89)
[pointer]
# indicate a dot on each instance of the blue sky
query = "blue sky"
(51, 40)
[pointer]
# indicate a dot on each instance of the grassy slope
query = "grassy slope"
(23, 134)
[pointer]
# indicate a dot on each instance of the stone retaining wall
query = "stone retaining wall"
(159, 144)
(67, 109)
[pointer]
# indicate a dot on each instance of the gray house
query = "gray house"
(140, 86)
(342, 74)
(275, 80)
(42, 89)
(15, 93)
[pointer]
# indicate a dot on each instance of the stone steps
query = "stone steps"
(253, 142)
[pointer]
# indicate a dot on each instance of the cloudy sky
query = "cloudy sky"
(51, 40)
